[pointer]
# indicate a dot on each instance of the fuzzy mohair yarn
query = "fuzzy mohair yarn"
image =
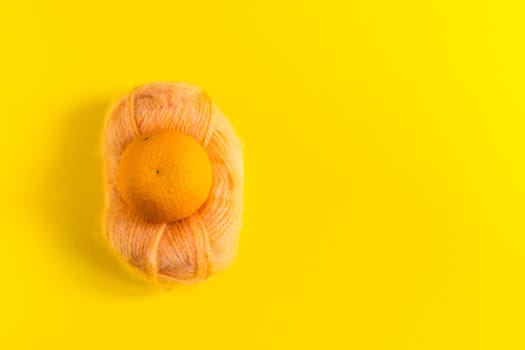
(192, 248)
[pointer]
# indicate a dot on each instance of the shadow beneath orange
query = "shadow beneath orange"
(74, 200)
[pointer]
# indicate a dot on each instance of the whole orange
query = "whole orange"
(164, 175)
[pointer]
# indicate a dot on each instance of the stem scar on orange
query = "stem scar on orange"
(164, 175)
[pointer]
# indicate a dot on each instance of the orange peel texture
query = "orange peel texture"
(165, 175)
(173, 174)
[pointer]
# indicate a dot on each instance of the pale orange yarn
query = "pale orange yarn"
(193, 248)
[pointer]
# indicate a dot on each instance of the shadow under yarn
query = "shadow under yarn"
(74, 199)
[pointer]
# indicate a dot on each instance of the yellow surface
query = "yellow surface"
(384, 145)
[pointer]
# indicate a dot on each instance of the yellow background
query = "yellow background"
(384, 150)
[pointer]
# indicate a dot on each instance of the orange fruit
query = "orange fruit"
(164, 175)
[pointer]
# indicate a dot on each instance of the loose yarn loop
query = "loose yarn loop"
(193, 248)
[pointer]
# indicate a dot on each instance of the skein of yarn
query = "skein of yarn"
(195, 244)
